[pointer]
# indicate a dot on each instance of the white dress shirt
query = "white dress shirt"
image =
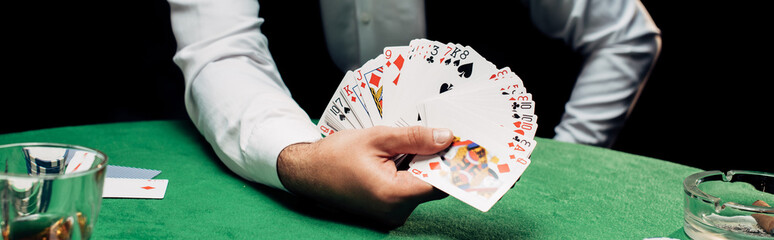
(237, 99)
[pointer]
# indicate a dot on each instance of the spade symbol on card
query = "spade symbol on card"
(447, 61)
(446, 87)
(465, 70)
(516, 115)
(347, 110)
(342, 117)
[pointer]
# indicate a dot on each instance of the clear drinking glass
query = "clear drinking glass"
(720, 205)
(50, 191)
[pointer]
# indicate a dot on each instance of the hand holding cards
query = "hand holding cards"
(442, 85)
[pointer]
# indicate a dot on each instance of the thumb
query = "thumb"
(413, 140)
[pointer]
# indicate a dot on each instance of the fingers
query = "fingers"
(412, 140)
(416, 189)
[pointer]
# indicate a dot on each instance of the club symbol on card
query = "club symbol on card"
(465, 70)
(446, 87)
(430, 59)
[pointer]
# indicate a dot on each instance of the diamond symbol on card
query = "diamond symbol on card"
(147, 187)
(388, 63)
(362, 85)
(374, 80)
(503, 168)
(399, 62)
(435, 165)
(353, 99)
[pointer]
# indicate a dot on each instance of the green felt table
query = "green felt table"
(569, 191)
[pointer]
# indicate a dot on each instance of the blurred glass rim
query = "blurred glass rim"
(691, 187)
(100, 154)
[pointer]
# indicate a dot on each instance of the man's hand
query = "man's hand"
(352, 170)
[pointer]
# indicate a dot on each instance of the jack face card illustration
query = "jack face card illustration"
(444, 85)
(369, 80)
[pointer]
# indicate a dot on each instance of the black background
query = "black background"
(705, 103)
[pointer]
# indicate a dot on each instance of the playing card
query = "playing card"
(470, 172)
(395, 58)
(474, 170)
(80, 161)
(357, 93)
(444, 85)
(130, 172)
(339, 115)
(444, 114)
(369, 81)
(134, 188)
(447, 67)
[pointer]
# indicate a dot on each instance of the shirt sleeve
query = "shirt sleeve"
(233, 91)
(619, 43)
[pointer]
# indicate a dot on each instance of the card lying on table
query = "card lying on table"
(130, 172)
(444, 85)
(130, 182)
(134, 188)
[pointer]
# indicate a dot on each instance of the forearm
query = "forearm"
(246, 122)
(619, 44)
(234, 94)
(605, 92)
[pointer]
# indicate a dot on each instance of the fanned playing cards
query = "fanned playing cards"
(444, 85)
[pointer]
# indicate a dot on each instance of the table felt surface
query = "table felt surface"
(569, 191)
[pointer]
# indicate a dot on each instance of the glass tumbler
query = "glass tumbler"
(50, 191)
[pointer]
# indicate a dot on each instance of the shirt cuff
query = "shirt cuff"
(268, 139)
